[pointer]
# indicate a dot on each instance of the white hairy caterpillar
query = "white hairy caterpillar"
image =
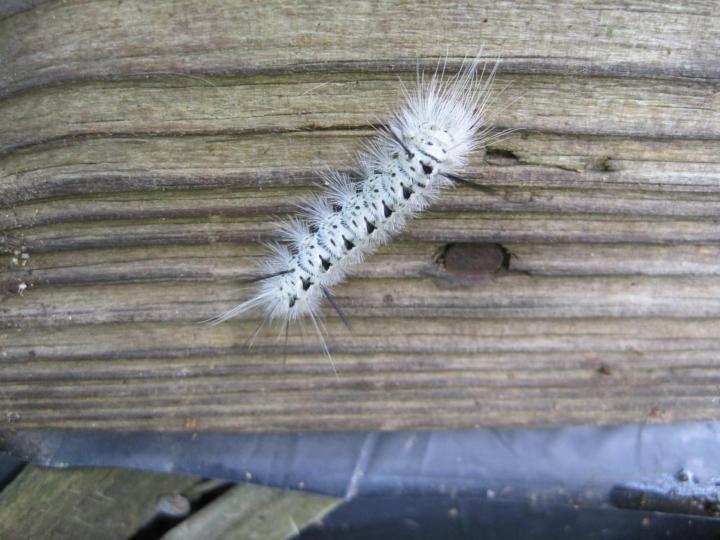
(423, 149)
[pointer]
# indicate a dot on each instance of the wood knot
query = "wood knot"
(475, 259)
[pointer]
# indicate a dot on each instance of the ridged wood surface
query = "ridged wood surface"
(147, 147)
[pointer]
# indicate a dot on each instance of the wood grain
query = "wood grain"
(80, 505)
(84, 504)
(255, 513)
(146, 148)
(135, 39)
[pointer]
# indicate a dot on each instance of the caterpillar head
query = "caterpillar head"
(433, 141)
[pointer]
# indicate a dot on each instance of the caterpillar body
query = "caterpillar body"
(421, 150)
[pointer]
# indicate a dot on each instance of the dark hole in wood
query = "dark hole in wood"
(475, 259)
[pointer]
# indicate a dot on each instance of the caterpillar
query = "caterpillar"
(421, 150)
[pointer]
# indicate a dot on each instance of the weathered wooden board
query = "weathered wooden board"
(146, 148)
(121, 504)
(248, 512)
(83, 504)
(70, 41)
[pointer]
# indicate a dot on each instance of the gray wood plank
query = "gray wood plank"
(82, 504)
(254, 512)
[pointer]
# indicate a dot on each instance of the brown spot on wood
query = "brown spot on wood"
(604, 369)
(475, 260)
(501, 156)
(659, 414)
